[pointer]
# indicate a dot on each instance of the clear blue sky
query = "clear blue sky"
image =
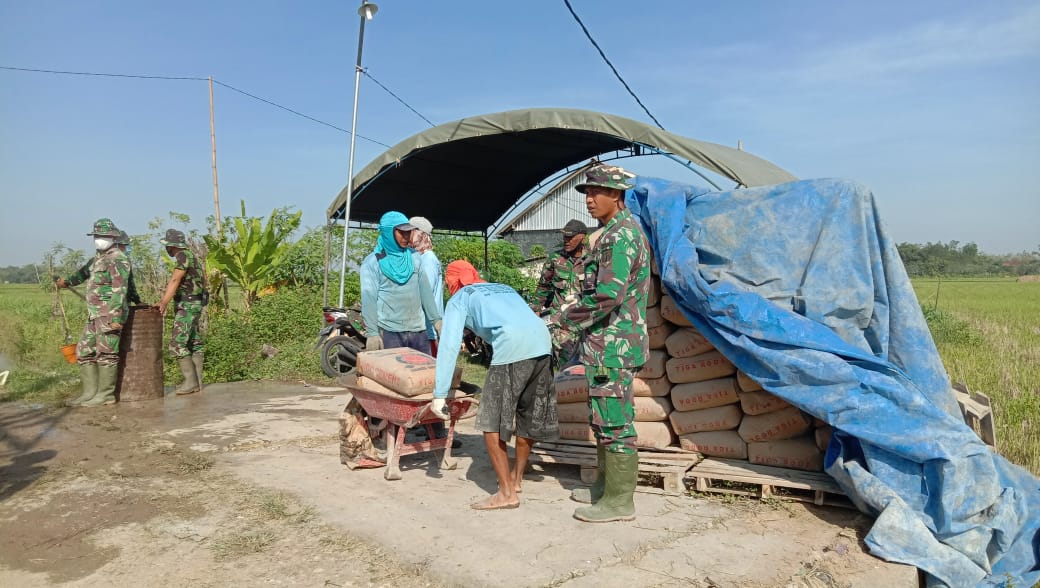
(933, 104)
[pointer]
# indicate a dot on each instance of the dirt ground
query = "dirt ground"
(242, 485)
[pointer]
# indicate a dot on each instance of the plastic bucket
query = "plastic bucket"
(69, 351)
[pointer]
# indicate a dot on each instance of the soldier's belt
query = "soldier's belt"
(191, 298)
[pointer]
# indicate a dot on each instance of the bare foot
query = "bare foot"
(496, 502)
(517, 483)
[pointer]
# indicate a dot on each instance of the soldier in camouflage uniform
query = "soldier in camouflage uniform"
(97, 353)
(611, 309)
(185, 289)
(559, 280)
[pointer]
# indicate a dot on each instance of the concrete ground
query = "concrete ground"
(242, 484)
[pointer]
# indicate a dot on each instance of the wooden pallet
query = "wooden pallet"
(978, 413)
(669, 465)
(815, 487)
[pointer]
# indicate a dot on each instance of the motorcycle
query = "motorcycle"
(340, 340)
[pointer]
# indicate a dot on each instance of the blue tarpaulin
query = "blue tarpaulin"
(800, 287)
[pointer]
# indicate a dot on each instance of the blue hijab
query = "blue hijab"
(395, 261)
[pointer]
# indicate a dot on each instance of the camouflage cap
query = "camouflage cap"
(606, 176)
(123, 238)
(574, 227)
(104, 227)
(174, 238)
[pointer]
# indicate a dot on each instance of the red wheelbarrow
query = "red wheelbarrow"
(400, 414)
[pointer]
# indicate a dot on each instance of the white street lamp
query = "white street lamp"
(366, 12)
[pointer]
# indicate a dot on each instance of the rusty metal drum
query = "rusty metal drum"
(141, 357)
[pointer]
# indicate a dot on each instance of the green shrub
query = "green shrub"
(947, 329)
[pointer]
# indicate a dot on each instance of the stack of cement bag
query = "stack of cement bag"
(689, 390)
(400, 371)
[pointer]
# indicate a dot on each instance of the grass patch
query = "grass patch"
(988, 335)
(244, 543)
(277, 507)
(191, 462)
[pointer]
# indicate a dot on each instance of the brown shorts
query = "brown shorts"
(521, 393)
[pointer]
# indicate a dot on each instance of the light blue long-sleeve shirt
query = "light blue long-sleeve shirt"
(431, 270)
(398, 308)
(496, 314)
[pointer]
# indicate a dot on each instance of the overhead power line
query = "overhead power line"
(105, 75)
(406, 105)
(612, 68)
(195, 79)
(297, 113)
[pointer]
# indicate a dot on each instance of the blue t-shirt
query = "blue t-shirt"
(393, 307)
(496, 314)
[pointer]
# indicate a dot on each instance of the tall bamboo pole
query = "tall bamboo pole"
(213, 143)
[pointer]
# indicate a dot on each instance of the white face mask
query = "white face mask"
(102, 244)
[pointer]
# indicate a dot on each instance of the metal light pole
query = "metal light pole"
(366, 12)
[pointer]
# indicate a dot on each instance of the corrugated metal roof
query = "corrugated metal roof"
(560, 204)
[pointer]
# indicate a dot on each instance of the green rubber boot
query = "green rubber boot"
(106, 392)
(594, 493)
(197, 361)
(87, 373)
(190, 385)
(616, 503)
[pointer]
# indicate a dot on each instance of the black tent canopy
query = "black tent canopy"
(464, 175)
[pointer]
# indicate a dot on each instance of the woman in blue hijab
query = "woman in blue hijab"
(394, 255)
(395, 301)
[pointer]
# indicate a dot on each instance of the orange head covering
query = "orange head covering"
(460, 273)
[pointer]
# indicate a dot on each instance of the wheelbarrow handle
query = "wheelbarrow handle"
(463, 402)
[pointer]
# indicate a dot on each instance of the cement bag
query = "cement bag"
(355, 442)
(785, 423)
(571, 385)
(687, 342)
(655, 387)
(706, 366)
(719, 418)
(653, 296)
(653, 435)
(653, 316)
(576, 431)
(651, 409)
(659, 334)
(726, 444)
(654, 366)
(798, 454)
(746, 383)
(706, 394)
(671, 313)
(401, 369)
(370, 384)
(761, 402)
(823, 437)
(575, 412)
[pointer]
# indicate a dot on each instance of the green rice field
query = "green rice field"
(988, 334)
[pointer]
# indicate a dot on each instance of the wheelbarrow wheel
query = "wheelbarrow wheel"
(339, 356)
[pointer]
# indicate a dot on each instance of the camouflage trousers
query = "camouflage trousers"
(186, 339)
(611, 410)
(99, 343)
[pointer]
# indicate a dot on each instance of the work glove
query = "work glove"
(439, 408)
(374, 343)
(437, 328)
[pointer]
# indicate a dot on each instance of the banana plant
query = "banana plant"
(252, 254)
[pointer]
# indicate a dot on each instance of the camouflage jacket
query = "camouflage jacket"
(191, 283)
(611, 308)
(132, 295)
(107, 277)
(560, 278)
